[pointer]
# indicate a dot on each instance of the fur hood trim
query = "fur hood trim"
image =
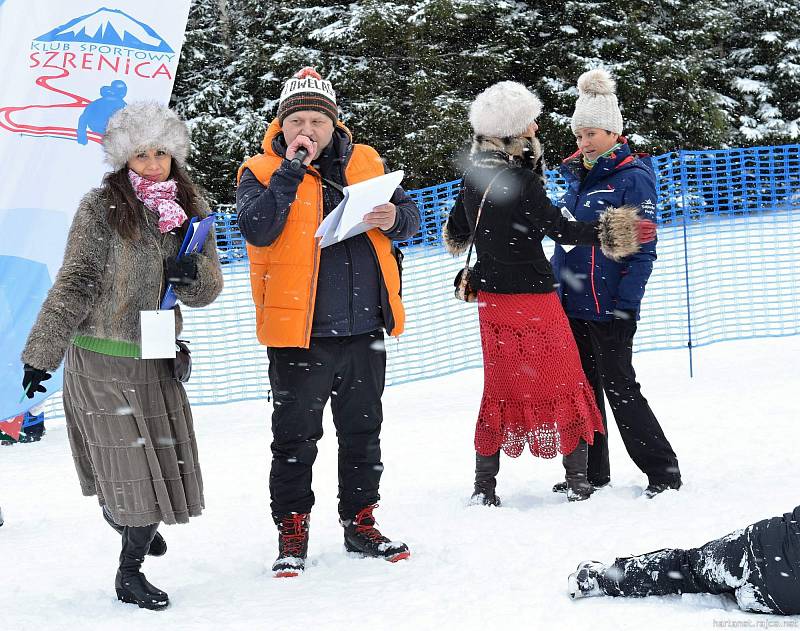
(519, 151)
(514, 146)
(144, 125)
(619, 236)
(516, 151)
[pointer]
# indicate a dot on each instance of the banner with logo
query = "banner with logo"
(67, 67)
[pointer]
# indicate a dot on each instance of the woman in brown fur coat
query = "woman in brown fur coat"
(535, 391)
(128, 419)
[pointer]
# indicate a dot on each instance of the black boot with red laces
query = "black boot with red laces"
(292, 545)
(361, 537)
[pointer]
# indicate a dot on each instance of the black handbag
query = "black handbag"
(465, 279)
(182, 364)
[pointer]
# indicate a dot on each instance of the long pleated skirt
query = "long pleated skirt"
(132, 437)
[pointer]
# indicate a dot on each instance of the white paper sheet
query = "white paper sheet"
(345, 220)
(569, 217)
(158, 334)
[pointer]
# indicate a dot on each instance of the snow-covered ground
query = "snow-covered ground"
(735, 428)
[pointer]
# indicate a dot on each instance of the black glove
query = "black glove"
(182, 271)
(32, 381)
(623, 326)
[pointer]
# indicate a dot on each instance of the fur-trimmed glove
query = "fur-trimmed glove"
(32, 380)
(622, 232)
(182, 271)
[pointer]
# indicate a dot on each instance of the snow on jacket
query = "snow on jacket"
(775, 545)
(591, 285)
(105, 281)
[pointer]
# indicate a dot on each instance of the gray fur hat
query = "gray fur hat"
(504, 110)
(597, 104)
(143, 125)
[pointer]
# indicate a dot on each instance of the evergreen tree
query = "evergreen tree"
(656, 50)
(763, 74)
(691, 74)
(203, 95)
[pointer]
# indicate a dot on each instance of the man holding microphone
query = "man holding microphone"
(322, 312)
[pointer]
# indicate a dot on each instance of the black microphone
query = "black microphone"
(300, 155)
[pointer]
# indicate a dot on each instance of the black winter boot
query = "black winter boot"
(157, 548)
(292, 545)
(131, 584)
(578, 489)
(361, 536)
(561, 487)
(587, 580)
(655, 489)
(486, 470)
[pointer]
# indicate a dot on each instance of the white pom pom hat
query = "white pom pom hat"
(504, 110)
(597, 104)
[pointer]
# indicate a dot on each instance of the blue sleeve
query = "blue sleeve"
(637, 268)
(262, 210)
(406, 222)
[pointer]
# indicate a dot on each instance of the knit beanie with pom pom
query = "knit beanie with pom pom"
(597, 104)
(307, 90)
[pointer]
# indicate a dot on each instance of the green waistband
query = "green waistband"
(117, 348)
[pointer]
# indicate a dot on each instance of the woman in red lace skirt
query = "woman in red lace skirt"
(535, 391)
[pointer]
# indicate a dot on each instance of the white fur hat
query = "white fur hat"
(503, 110)
(143, 125)
(597, 104)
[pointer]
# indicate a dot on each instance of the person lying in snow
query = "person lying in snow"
(758, 565)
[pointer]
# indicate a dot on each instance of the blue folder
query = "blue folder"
(193, 242)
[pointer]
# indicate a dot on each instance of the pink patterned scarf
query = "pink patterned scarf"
(160, 198)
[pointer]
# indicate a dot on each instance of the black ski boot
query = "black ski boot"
(486, 470)
(157, 548)
(561, 487)
(292, 545)
(131, 584)
(579, 490)
(586, 580)
(656, 489)
(361, 537)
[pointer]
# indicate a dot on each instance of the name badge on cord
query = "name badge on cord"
(158, 334)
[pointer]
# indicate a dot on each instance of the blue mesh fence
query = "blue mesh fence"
(729, 222)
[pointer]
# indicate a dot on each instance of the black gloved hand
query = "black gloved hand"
(182, 271)
(32, 381)
(623, 326)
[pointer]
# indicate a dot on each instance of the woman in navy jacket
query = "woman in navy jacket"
(602, 297)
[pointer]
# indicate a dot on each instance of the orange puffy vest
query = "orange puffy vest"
(283, 275)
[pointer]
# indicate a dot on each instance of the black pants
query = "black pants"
(722, 566)
(609, 368)
(351, 372)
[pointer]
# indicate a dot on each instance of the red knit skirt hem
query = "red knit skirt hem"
(510, 425)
